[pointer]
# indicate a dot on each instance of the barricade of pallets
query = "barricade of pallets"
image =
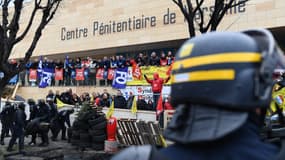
(138, 132)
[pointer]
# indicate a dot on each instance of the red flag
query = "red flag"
(159, 106)
(79, 74)
(100, 73)
(111, 73)
(33, 75)
(58, 74)
(168, 72)
(137, 73)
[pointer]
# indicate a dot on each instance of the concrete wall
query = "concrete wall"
(40, 93)
(127, 114)
(83, 16)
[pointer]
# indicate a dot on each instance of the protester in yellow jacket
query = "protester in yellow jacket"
(278, 96)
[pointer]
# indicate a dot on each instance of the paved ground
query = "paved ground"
(55, 148)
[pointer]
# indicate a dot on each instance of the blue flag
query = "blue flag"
(66, 62)
(120, 78)
(14, 79)
(40, 68)
(46, 77)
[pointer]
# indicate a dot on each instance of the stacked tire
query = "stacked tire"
(97, 131)
(89, 130)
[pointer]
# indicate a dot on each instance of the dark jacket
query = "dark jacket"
(58, 65)
(154, 61)
(243, 144)
(67, 98)
(19, 122)
(44, 113)
(130, 102)
(120, 102)
(34, 111)
(52, 111)
(64, 117)
(7, 113)
(140, 61)
(142, 105)
(104, 103)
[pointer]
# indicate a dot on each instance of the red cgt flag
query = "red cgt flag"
(137, 73)
(111, 73)
(33, 75)
(58, 74)
(168, 72)
(159, 106)
(100, 73)
(79, 74)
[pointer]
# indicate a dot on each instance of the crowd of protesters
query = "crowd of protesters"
(105, 99)
(46, 114)
(91, 66)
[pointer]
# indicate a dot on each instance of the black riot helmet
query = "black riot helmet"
(231, 70)
(41, 102)
(219, 78)
(31, 101)
(21, 106)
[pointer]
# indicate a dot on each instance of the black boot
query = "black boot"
(9, 149)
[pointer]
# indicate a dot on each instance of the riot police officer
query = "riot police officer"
(18, 128)
(6, 117)
(228, 80)
(34, 111)
(59, 122)
(52, 108)
(44, 120)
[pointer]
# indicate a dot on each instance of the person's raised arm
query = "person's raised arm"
(167, 79)
(148, 80)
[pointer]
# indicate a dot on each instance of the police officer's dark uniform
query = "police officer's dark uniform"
(61, 119)
(221, 88)
(34, 111)
(6, 117)
(52, 108)
(18, 128)
(44, 117)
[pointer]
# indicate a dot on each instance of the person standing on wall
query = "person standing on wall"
(156, 86)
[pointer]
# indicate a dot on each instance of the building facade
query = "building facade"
(101, 27)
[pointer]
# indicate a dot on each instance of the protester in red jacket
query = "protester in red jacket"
(167, 105)
(156, 86)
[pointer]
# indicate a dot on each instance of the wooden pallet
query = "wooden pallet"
(137, 132)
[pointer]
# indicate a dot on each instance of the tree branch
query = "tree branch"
(8, 33)
(188, 15)
(53, 10)
(5, 14)
(14, 25)
(48, 13)
(223, 12)
(215, 14)
(4, 44)
(21, 37)
(198, 8)
(238, 3)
